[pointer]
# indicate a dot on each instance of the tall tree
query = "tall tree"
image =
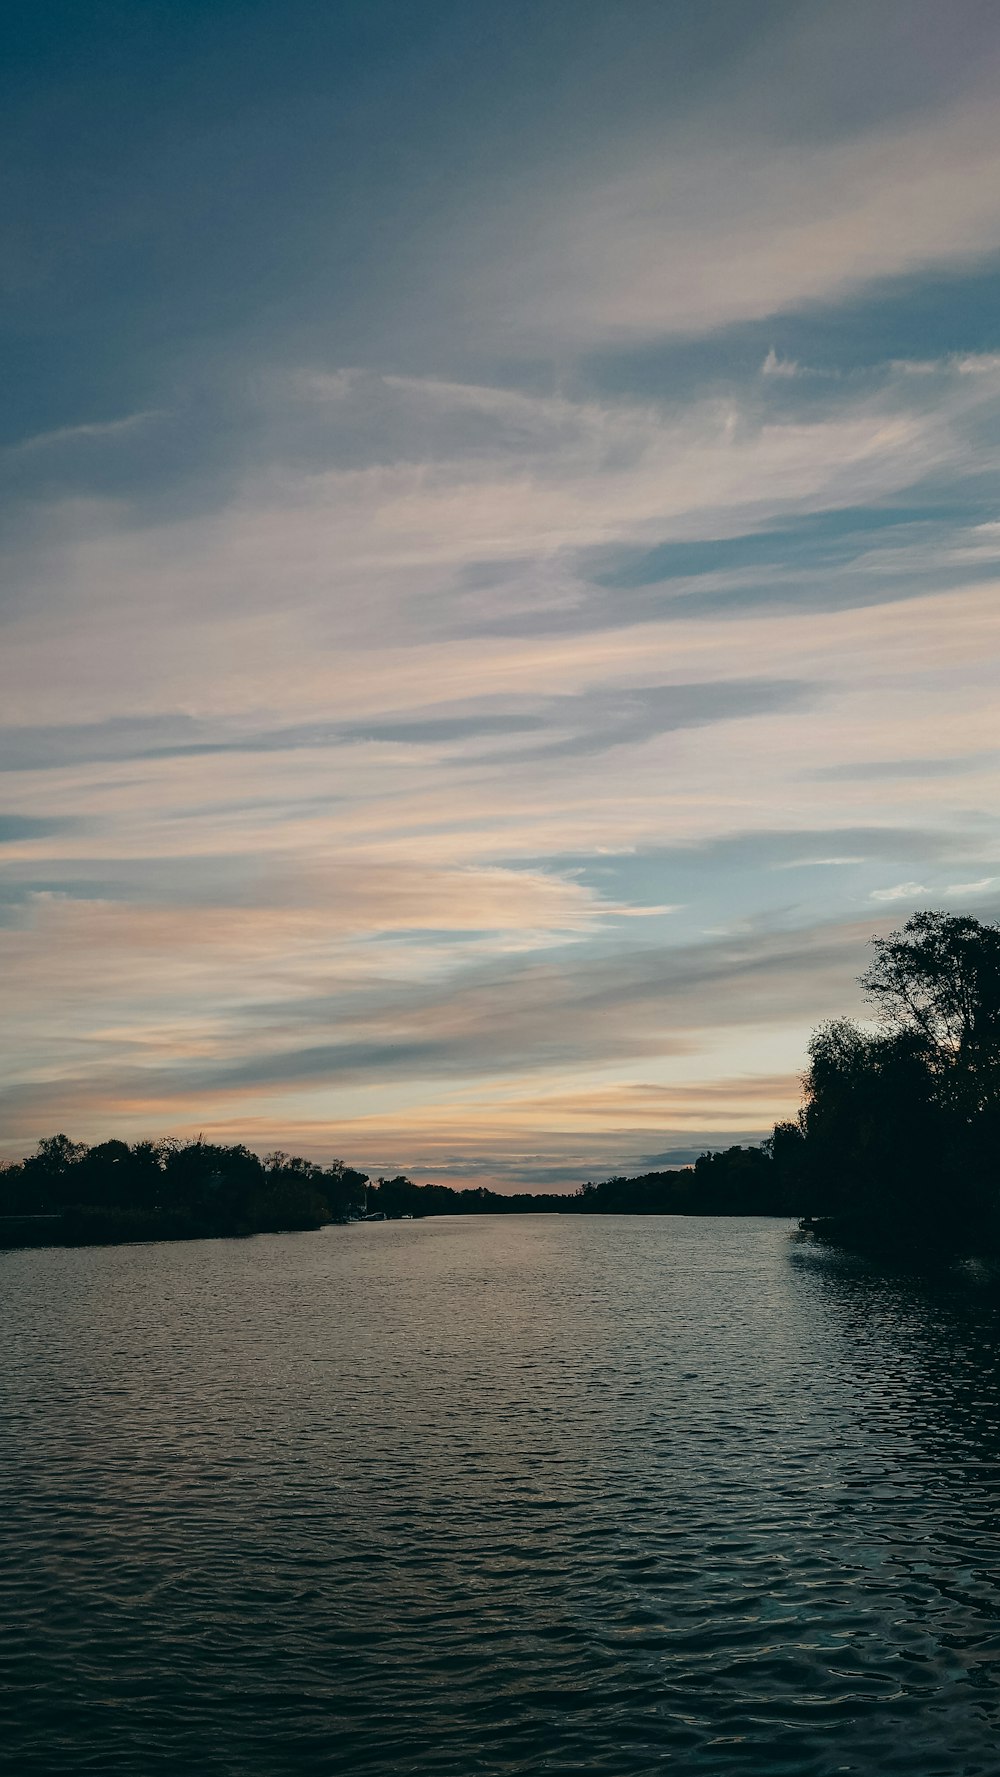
(940, 977)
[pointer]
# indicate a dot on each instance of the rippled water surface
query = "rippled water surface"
(514, 1495)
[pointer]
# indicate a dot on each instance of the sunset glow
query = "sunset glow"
(502, 594)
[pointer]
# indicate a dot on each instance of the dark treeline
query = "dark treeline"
(739, 1181)
(69, 1193)
(897, 1143)
(733, 1182)
(165, 1190)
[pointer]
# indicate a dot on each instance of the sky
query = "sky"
(499, 562)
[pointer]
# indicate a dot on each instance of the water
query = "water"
(515, 1495)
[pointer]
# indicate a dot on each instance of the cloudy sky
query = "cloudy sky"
(499, 564)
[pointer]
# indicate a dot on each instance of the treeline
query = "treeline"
(897, 1144)
(397, 1197)
(737, 1181)
(70, 1194)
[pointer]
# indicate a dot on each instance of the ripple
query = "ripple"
(503, 1496)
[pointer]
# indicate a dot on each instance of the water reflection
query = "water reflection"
(923, 1353)
(503, 1496)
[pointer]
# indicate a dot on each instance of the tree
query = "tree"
(50, 1171)
(940, 977)
(56, 1153)
(874, 1140)
(901, 1125)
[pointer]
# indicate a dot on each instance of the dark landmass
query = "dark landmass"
(68, 1194)
(896, 1147)
(739, 1181)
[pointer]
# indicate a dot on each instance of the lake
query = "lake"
(497, 1495)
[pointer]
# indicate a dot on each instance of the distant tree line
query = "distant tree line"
(737, 1181)
(68, 1192)
(732, 1182)
(897, 1142)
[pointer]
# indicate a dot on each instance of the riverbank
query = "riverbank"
(69, 1194)
(906, 1239)
(95, 1226)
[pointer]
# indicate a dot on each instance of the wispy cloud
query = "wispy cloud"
(88, 432)
(720, 225)
(491, 623)
(900, 891)
(571, 725)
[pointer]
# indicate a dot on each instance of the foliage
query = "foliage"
(941, 976)
(68, 1193)
(167, 1190)
(735, 1181)
(901, 1126)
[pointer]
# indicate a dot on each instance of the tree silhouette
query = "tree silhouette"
(940, 977)
(901, 1127)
